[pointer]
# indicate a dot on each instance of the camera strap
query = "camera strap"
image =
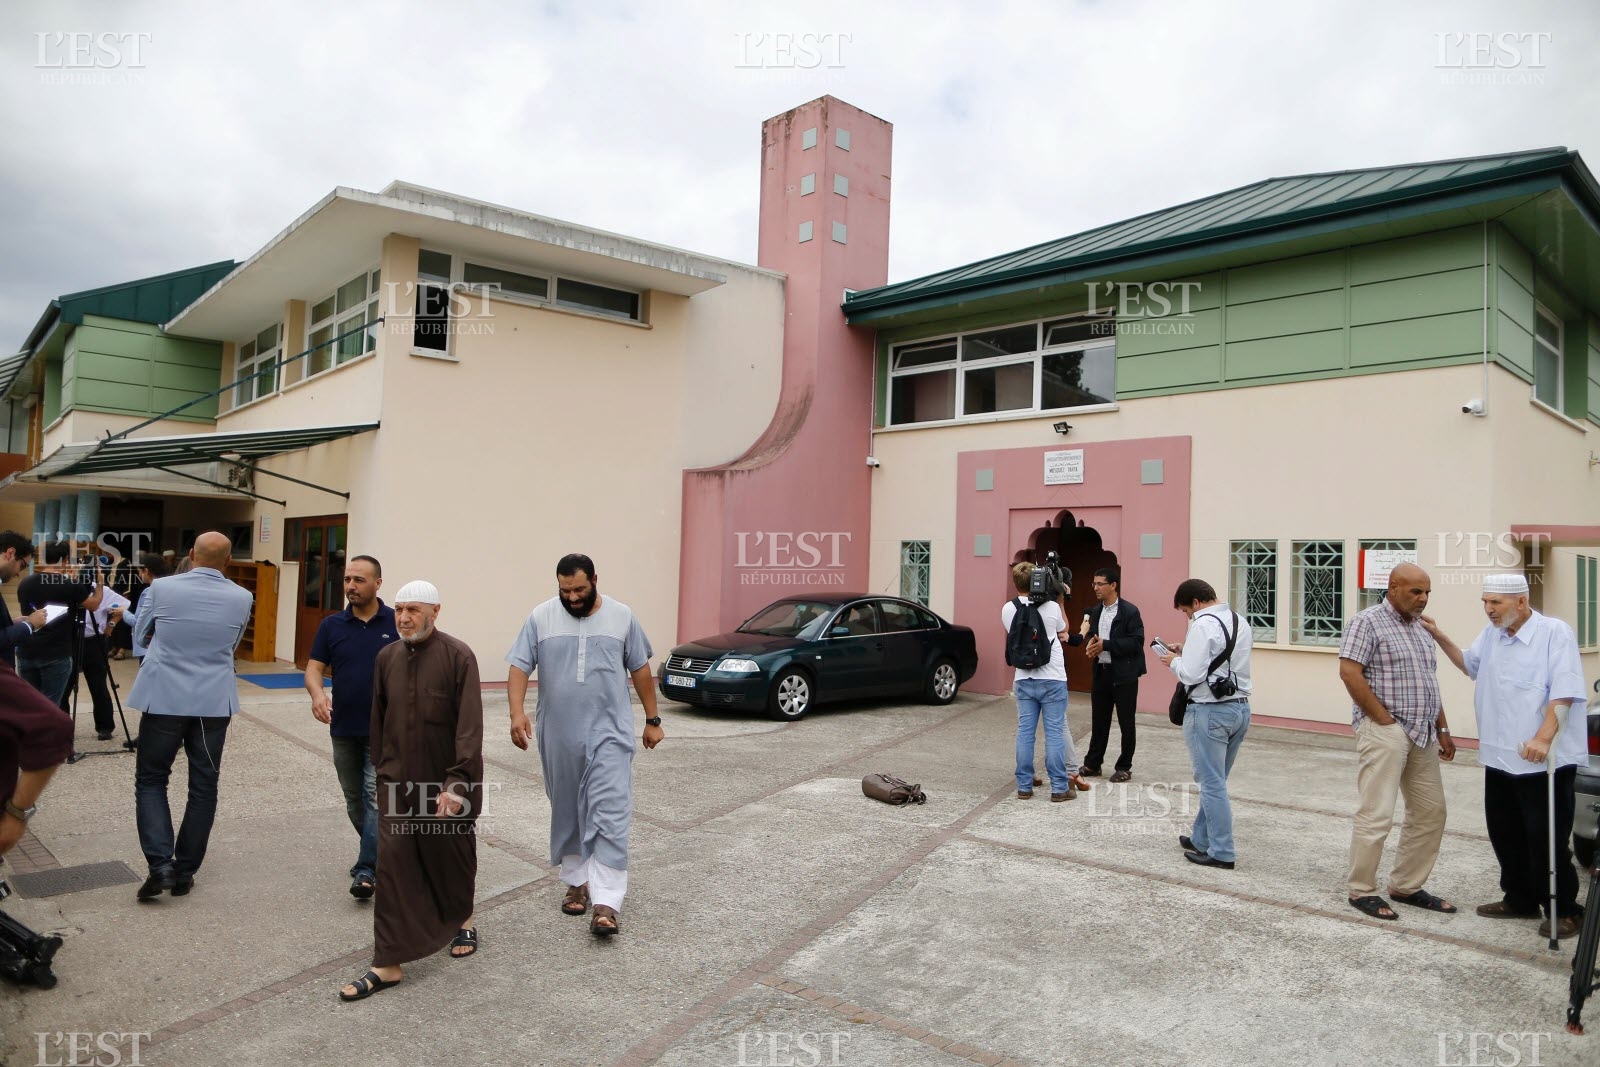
(1222, 657)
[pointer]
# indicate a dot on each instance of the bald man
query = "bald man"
(1388, 664)
(189, 625)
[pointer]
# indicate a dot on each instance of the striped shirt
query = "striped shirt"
(1399, 662)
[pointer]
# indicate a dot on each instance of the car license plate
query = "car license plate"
(680, 679)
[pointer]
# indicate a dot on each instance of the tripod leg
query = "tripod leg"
(1583, 983)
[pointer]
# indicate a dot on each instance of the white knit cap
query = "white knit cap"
(417, 592)
(1505, 584)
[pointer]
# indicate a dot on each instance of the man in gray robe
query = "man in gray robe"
(586, 649)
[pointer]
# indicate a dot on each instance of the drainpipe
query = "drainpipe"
(1483, 399)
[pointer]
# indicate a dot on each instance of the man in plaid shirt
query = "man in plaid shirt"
(1388, 664)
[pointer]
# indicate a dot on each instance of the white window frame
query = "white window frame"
(1588, 611)
(961, 366)
(1242, 562)
(250, 366)
(370, 309)
(916, 563)
(1542, 312)
(1297, 601)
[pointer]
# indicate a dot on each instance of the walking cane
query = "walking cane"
(1550, 781)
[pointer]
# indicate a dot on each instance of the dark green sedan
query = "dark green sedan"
(803, 651)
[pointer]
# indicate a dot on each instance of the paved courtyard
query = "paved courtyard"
(777, 917)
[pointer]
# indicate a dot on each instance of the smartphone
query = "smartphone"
(1161, 649)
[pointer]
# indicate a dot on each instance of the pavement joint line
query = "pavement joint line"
(655, 1046)
(1545, 960)
(314, 973)
(900, 1028)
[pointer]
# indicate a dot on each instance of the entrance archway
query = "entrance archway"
(1082, 552)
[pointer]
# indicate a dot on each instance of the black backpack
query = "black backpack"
(1028, 646)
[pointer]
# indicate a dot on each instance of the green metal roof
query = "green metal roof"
(154, 300)
(1258, 208)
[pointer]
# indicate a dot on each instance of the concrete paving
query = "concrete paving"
(777, 917)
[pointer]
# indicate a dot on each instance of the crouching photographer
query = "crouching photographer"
(35, 737)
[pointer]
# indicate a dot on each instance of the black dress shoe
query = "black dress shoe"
(104, 735)
(155, 884)
(1207, 860)
(181, 887)
(1186, 843)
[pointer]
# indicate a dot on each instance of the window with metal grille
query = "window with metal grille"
(1588, 615)
(1317, 617)
(1367, 598)
(916, 565)
(1253, 585)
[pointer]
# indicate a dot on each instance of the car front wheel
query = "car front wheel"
(942, 683)
(791, 695)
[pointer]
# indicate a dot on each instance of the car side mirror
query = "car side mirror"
(839, 631)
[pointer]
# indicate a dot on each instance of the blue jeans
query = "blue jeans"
(160, 738)
(1213, 733)
(1038, 698)
(352, 761)
(48, 676)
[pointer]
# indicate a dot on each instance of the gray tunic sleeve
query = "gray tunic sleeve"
(636, 652)
(524, 654)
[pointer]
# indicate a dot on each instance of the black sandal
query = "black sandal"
(367, 985)
(601, 911)
(576, 902)
(1375, 907)
(467, 938)
(1424, 900)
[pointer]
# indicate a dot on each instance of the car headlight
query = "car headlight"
(738, 666)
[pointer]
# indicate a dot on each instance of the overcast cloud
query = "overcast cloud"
(1015, 123)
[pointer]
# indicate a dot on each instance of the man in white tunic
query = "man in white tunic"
(586, 649)
(1527, 667)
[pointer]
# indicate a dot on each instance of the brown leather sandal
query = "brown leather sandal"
(603, 913)
(576, 902)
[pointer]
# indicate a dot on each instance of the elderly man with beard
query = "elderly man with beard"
(587, 649)
(427, 748)
(1526, 667)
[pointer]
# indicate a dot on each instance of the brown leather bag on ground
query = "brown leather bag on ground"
(891, 790)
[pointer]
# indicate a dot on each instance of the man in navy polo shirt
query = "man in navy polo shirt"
(347, 644)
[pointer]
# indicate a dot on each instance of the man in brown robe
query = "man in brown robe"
(427, 750)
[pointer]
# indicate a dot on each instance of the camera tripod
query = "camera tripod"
(1585, 980)
(79, 641)
(24, 955)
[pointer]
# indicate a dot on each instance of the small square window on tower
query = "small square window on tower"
(805, 232)
(808, 139)
(838, 232)
(841, 185)
(842, 139)
(808, 184)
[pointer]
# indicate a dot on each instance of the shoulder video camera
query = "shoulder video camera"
(1050, 580)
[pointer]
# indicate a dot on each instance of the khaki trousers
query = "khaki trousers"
(1389, 764)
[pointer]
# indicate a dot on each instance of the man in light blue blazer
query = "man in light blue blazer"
(191, 623)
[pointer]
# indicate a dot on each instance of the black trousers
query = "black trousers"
(1105, 695)
(95, 673)
(1516, 807)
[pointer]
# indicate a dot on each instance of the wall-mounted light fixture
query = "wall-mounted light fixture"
(1063, 428)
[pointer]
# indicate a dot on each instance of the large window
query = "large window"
(1588, 615)
(1367, 598)
(349, 307)
(916, 566)
(1547, 364)
(1039, 366)
(255, 368)
(431, 329)
(1253, 586)
(1318, 617)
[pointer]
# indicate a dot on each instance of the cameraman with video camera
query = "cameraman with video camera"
(45, 660)
(1036, 633)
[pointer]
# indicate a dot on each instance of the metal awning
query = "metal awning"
(10, 368)
(239, 448)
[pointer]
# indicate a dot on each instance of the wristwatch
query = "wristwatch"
(21, 813)
(654, 720)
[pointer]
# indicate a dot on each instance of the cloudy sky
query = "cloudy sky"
(1014, 122)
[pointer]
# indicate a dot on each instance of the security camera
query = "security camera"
(872, 461)
(1472, 407)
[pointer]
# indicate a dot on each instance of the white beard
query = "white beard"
(421, 635)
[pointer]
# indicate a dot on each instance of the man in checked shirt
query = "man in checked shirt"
(1387, 662)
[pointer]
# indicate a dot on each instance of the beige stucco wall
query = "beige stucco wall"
(546, 432)
(1385, 456)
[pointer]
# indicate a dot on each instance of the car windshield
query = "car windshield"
(788, 618)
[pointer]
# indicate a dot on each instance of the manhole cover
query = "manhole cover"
(62, 880)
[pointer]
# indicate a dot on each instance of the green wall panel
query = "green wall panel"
(1288, 277)
(1410, 256)
(110, 396)
(1285, 316)
(187, 379)
(1416, 298)
(1514, 259)
(1302, 354)
(1201, 329)
(100, 366)
(133, 368)
(1411, 340)
(167, 399)
(1163, 370)
(1516, 346)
